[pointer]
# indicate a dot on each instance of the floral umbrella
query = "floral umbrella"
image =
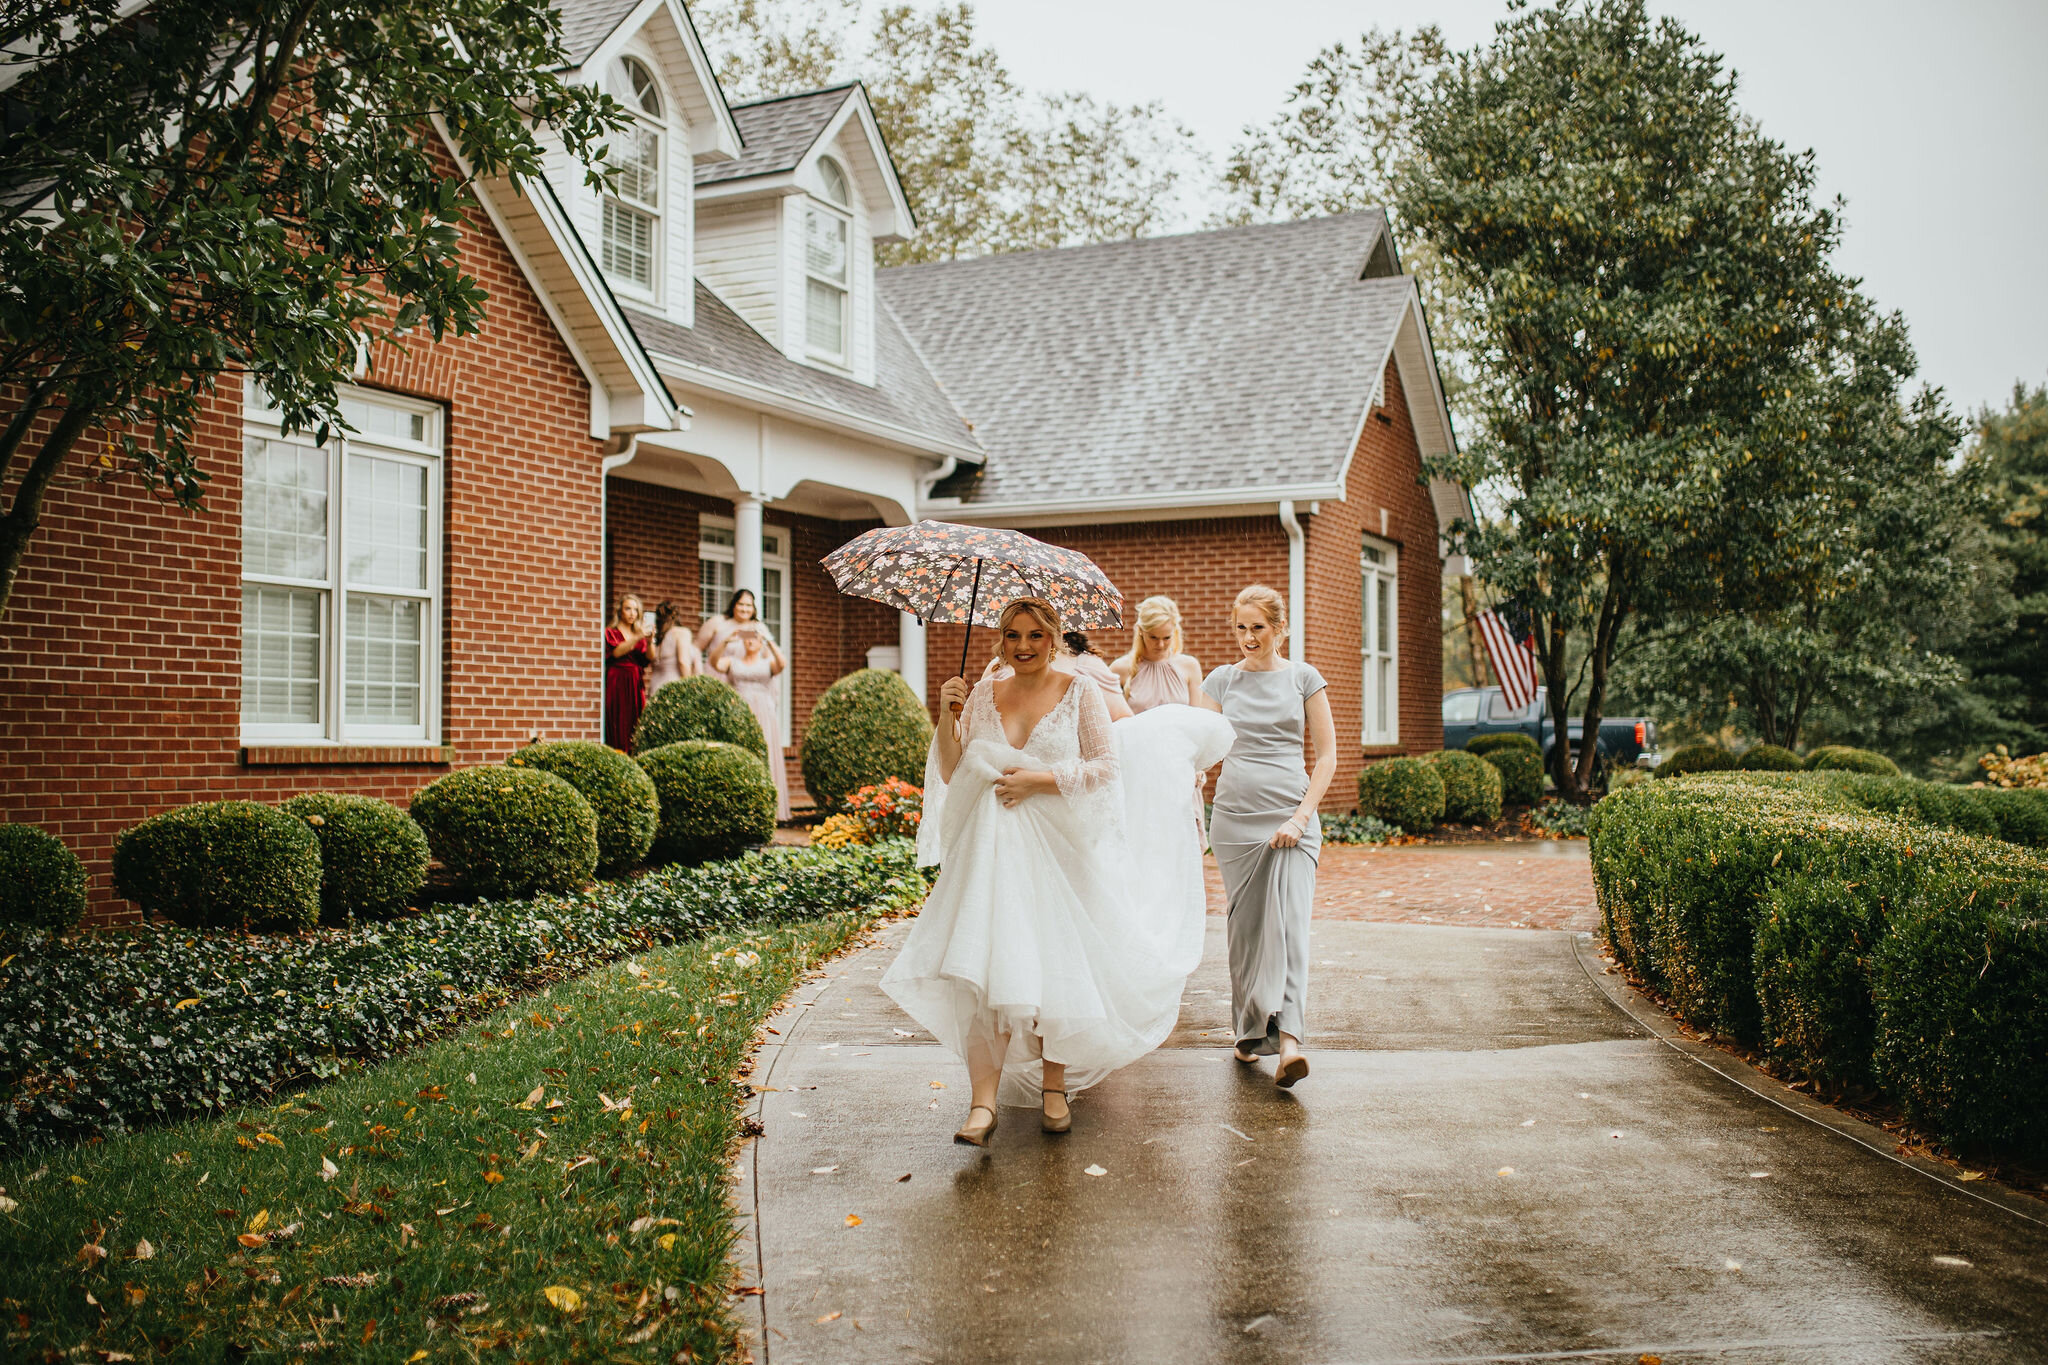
(939, 571)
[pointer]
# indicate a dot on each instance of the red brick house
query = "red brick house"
(701, 381)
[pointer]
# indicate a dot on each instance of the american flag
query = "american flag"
(1514, 662)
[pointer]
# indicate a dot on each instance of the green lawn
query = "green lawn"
(551, 1184)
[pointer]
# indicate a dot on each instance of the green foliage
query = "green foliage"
(1352, 828)
(1405, 792)
(42, 883)
(987, 166)
(95, 1039)
(1472, 787)
(867, 728)
(1697, 758)
(1483, 745)
(619, 792)
(1769, 758)
(1521, 772)
(1565, 819)
(222, 865)
(509, 831)
(1843, 758)
(1857, 948)
(217, 205)
(373, 857)
(717, 800)
(698, 708)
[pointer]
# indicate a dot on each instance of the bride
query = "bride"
(1069, 907)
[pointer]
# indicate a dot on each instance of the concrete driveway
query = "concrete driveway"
(1494, 1160)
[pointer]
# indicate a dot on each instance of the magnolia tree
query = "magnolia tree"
(241, 187)
(1642, 271)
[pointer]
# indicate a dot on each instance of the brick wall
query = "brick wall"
(120, 656)
(1385, 477)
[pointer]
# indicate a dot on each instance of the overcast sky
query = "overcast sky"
(1931, 120)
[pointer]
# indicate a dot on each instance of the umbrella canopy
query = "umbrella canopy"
(940, 571)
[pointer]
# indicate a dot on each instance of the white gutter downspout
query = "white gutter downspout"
(932, 480)
(1297, 583)
(604, 551)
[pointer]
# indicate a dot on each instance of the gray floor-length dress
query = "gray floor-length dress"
(1271, 889)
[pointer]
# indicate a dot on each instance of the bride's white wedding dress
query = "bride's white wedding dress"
(1070, 922)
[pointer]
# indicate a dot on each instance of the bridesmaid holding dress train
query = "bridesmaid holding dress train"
(1266, 828)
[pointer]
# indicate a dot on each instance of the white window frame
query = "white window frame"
(655, 126)
(774, 555)
(1379, 667)
(841, 215)
(334, 729)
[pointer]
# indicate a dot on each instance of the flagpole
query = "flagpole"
(973, 600)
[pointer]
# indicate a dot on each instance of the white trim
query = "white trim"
(1297, 583)
(1375, 666)
(764, 398)
(727, 144)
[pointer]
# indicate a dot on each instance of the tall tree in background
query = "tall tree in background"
(228, 187)
(2009, 663)
(986, 165)
(1644, 269)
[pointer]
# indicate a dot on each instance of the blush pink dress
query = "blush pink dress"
(755, 682)
(1156, 682)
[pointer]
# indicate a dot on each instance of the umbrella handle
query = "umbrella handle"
(973, 600)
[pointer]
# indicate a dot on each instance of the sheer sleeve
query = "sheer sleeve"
(1096, 768)
(931, 843)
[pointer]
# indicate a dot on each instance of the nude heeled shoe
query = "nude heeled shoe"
(977, 1134)
(1064, 1122)
(1292, 1069)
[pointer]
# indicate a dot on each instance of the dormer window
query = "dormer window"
(827, 265)
(632, 208)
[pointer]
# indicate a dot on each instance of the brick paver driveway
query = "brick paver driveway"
(1536, 885)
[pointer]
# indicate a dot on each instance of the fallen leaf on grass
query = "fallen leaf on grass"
(250, 1239)
(260, 1221)
(271, 1138)
(667, 1241)
(563, 1297)
(8, 1205)
(136, 1294)
(362, 1279)
(416, 1355)
(534, 1098)
(328, 1170)
(186, 1004)
(143, 1250)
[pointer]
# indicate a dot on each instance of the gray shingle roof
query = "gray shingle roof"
(776, 133)
(904, 393)
(1241, 358)
(587, 23)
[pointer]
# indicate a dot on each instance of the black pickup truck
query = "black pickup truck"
(1628, 741)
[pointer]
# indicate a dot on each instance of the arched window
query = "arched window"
(828, 266)
(632, 208)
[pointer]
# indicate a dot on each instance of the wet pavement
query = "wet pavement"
(1493, 1160)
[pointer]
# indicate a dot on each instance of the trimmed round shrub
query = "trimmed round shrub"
(1769, 758)
(1505, 739)
(1521, 772)
(1843, 758)
(1697, 758)
(1402, 791)
(717, 800)
(509, 832)
(373, 857)
(42, 883)
(1472, 787)
(698, 708)
(619, 792)
(222, 865)
(867, 728)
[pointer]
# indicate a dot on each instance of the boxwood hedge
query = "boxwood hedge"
(698, 708)
(868, 727)
(1769, 758)
(373, 857)
(222, 865)
(1848, 759)
(108, 1032)
(619, 792)
(716, 800)
(1402, 791)
(1501, 740)
(1857, 947)
(1697, 758)
(42, 883)
(1472, 787)
(1520, 769)
(509, 831)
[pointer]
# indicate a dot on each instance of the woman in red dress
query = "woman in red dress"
(626, 656)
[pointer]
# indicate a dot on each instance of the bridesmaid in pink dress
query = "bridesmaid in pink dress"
(1156, 672)
(750, 661)
(625, 674)
(675, 653)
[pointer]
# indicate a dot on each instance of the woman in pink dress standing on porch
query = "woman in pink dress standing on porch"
(750, 661)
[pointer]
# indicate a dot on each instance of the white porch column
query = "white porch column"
(746, 545)
(1297, 584)
(910, 638)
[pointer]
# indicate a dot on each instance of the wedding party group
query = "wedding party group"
(1063, 806)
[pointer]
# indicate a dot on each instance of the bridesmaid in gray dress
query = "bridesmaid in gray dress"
(1266, 830)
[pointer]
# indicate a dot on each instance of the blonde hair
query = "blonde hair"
(1154, 612)
(1038, 609)
(1271, 605)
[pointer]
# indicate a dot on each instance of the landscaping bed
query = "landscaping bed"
(107, 1032)
(1868, 952)
(550, 1183)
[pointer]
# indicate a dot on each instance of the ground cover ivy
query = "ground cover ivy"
(108, 1032)
(551, 1183)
